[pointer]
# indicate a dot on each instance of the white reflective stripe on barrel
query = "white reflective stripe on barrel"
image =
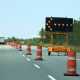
(71, 69)
(39, 50)
(38, 56)
(71, 58)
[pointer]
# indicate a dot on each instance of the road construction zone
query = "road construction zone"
(58, 49)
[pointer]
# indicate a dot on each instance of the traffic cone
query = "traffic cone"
(29, 50)
(39, 53)
(16, 46)
(19, 47)
(71, 64)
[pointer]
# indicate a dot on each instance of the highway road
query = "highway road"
(15, 65)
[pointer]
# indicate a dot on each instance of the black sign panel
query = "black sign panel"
(59, 24)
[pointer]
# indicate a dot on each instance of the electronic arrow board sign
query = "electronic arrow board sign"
(59, 24)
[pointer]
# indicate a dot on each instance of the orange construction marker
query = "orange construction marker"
(71, 64)
(39, 53)
(29, 50)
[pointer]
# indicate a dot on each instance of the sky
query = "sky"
(25, 18)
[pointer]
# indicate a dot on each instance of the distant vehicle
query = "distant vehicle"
(2, 40)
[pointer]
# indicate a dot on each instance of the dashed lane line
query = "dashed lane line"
(23, 55)
(28, 59)
(37, 66)
(51, 77)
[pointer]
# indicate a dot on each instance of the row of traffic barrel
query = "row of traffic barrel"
(38, 52)
(15, 45)
(28, 49)
(71, 58)
(71, 61)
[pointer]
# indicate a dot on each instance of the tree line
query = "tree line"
(73, 37)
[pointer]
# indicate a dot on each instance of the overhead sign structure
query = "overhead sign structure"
(59, 24)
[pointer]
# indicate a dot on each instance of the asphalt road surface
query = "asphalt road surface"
(15, 65)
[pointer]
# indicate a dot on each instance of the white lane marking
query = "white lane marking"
(23, 55)
(77, 59)
(52, 78)
(28, 59)
(37, 66)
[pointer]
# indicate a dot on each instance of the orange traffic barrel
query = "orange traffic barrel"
(16, 46)
(29, 50)
(39, 53)
(71, 64)
(19, 47)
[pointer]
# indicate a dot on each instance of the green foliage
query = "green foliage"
(14, 39)
(74, 37)
(45, 37)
